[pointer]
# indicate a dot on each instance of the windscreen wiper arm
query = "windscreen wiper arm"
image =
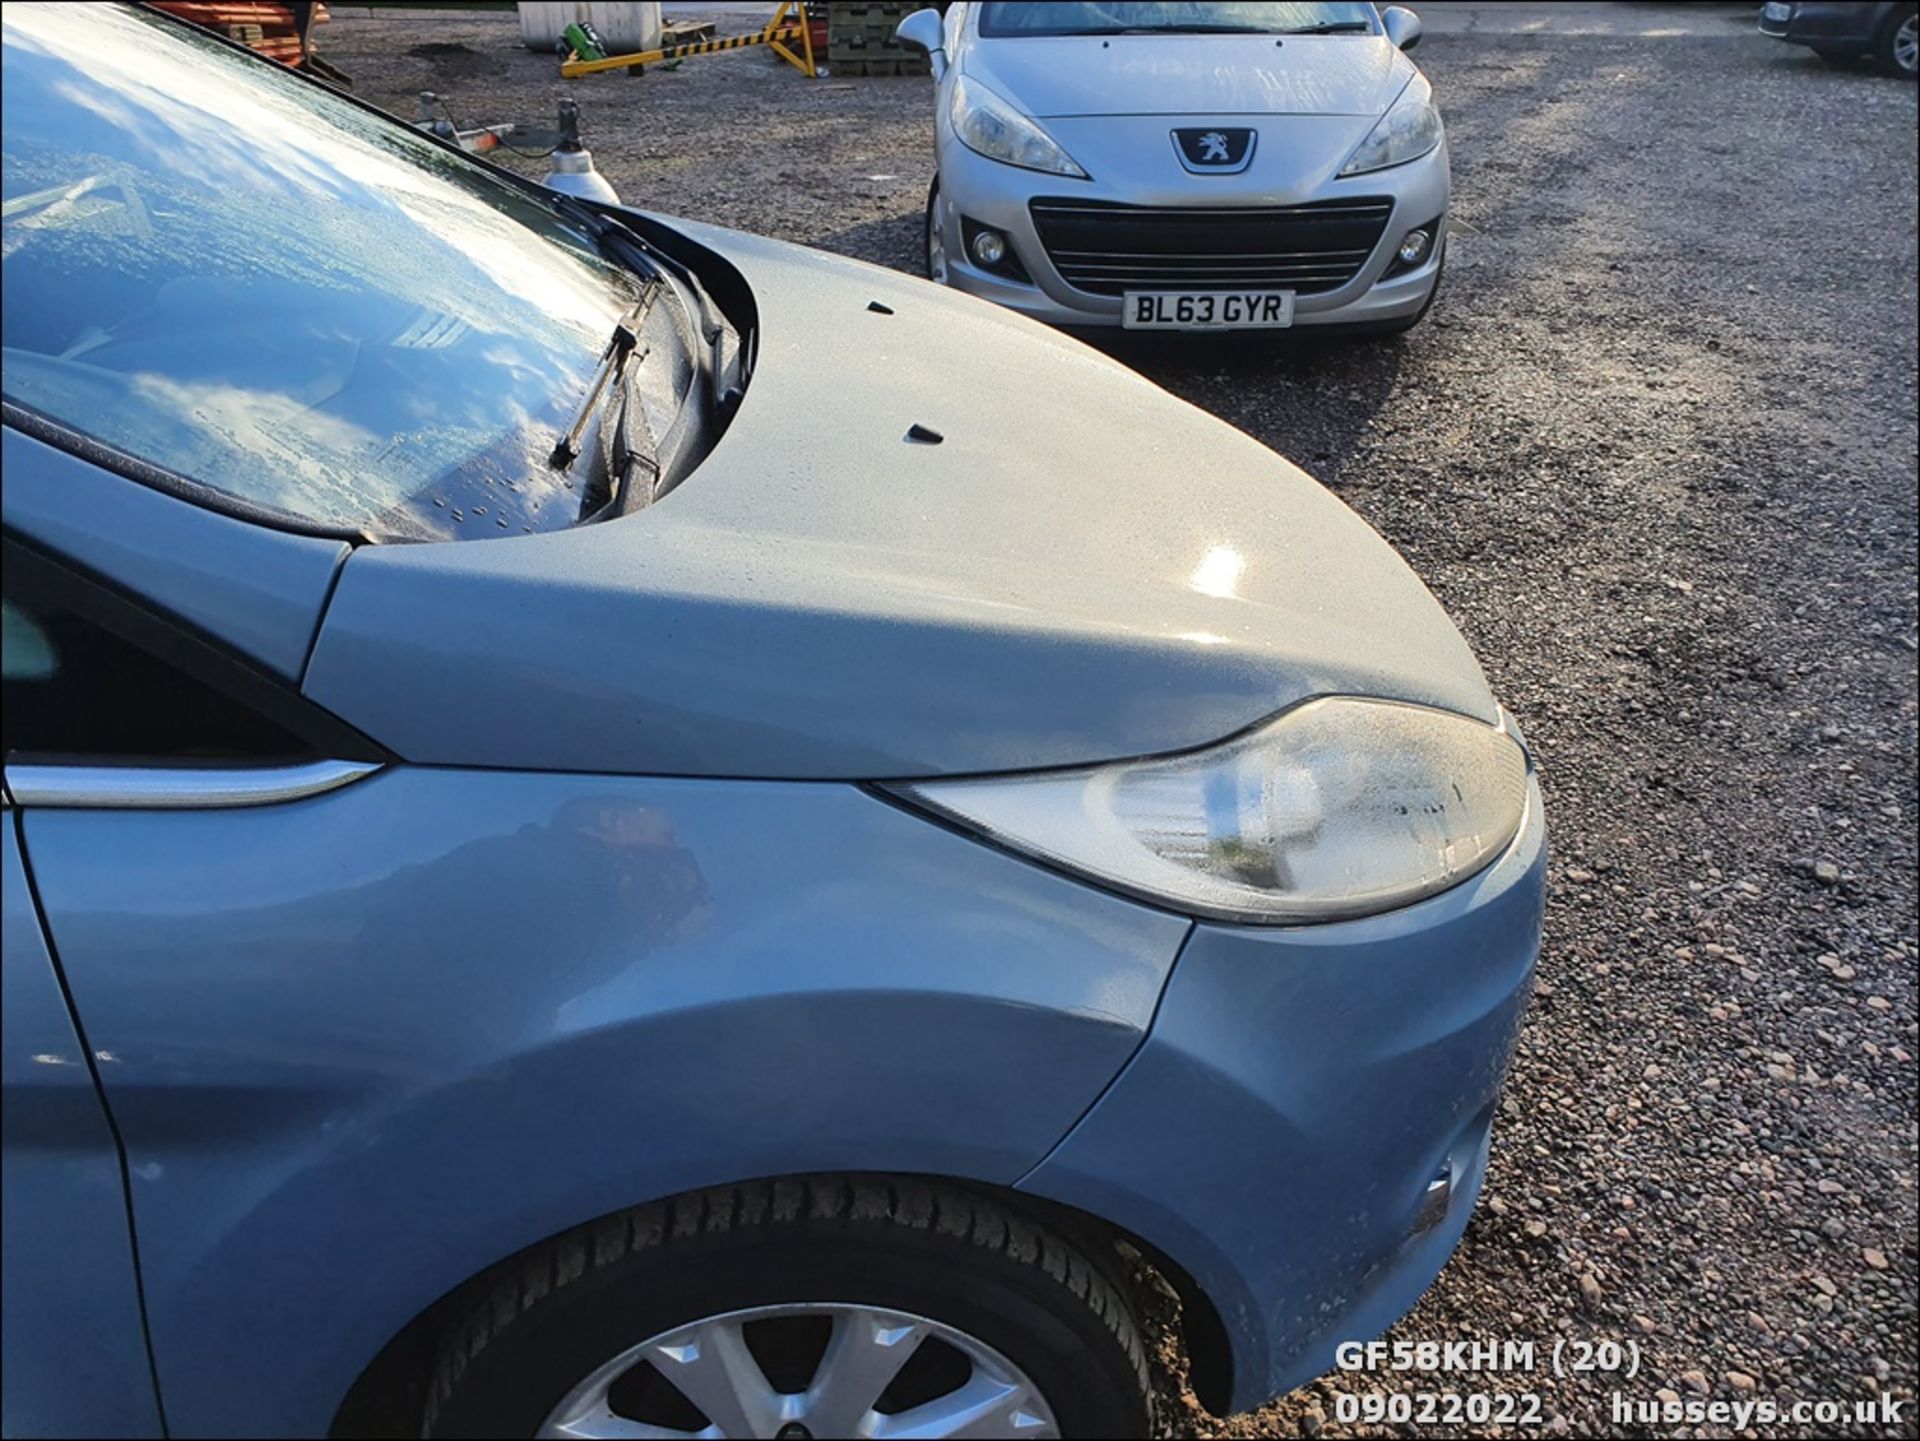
(613, 360)
(687, 283)
(1332, 27)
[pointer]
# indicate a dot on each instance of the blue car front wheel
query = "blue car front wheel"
(804, 1308)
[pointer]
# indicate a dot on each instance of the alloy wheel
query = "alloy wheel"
(1906, 45)
(801, 1371)
(936, 243)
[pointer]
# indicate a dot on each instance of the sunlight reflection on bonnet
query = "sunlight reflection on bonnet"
(1219, 572)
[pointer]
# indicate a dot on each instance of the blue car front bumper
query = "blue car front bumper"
(1306, 1127)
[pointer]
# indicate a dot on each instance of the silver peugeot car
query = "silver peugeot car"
(1186, 164)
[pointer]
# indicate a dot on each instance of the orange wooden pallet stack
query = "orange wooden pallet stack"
(267, 28)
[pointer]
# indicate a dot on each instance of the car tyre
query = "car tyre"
(934, 249)
(535, 1330)
(1898, 52)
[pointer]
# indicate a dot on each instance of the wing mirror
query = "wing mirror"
(1403, 26)
(924, 30)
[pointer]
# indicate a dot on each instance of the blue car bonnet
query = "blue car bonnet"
(1078, 567)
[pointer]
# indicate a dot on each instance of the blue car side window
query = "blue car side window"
(74, 690)
(257, 285)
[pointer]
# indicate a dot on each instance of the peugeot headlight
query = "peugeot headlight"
(1339, 807)
(988, 124)
(1406, 132)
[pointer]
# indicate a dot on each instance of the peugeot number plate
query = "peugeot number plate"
(1207, 309)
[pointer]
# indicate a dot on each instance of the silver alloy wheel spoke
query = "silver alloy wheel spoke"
(1906, 44)
(985, 1406)
(605, 1426)
(866, 1352)
(711, 1365)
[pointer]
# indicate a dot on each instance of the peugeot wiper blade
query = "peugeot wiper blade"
(613, 360)
(1333, 27)
(1175, 28)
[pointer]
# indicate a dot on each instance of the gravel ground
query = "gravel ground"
(1656, 451)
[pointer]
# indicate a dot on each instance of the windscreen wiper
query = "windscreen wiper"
(627, 461)
(1332, 27)
(600, 227)
(1175, 28)
(613, 361)
(687, 284)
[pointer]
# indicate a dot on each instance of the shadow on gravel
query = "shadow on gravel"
(1252, 381)
(1260, 383)
(893, 241)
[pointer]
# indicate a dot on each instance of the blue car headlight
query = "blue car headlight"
(1338, 807)
(1410, 128)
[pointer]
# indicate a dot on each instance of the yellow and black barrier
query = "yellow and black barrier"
(778, 34)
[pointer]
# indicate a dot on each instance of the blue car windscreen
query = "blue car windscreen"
(251, 282)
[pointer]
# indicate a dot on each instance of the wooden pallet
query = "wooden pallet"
(685, 32)
(860, 40)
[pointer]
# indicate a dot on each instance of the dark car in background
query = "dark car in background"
(1886, 34)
